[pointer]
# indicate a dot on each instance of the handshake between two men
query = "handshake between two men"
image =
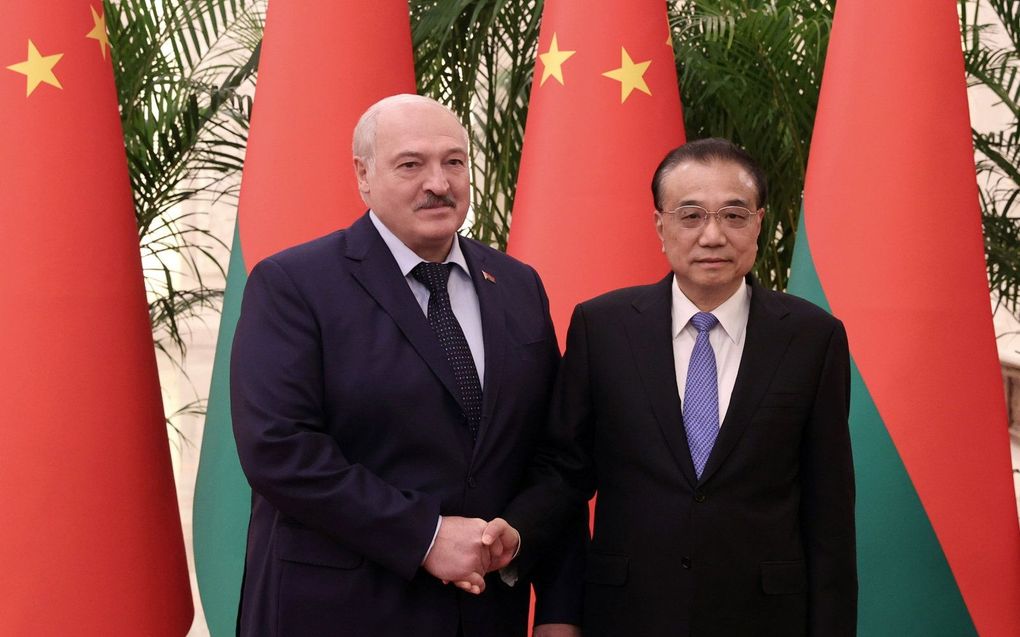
(466, 549)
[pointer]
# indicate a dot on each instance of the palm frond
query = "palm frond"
(477, 56)
(991, 48)
(751, 72)
(184, 71)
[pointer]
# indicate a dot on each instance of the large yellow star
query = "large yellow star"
(552, 62)
(37, 68)
(98, 31)
(629, 75)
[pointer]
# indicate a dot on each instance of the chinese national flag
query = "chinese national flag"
(320, 69)
(605, 109)
(891, 240)
(90, 538)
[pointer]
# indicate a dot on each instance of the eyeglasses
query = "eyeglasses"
(691, 217)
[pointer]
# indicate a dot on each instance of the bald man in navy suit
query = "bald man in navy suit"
(389, 383)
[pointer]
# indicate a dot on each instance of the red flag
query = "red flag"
(605, 109)
(90, 542)
(320, 69)
(892, 237)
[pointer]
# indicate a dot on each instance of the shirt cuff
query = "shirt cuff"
(509, 573)
(435, 534)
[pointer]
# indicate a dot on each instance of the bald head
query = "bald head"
(411, 162)
(402, 105)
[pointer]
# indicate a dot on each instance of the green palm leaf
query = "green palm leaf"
(184, 71)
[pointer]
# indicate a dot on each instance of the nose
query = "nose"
(435, 180)
(712, 232)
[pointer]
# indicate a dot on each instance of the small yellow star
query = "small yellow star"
(98, 31)
(37, 68)
(552, 62)
(629, 75)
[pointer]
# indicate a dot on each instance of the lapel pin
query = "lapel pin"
(488, 277)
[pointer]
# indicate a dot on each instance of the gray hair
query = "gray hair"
(363, 144)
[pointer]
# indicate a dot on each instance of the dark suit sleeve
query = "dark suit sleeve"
(556, 568)
(277, 404)
(558, 576)
(827, 509)
(551, 511)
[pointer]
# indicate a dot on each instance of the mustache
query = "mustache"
(435, 201)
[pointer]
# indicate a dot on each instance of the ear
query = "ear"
(361, 172)
(658, 225)
(760, 217)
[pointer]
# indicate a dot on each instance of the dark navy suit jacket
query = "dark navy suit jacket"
(349, 430)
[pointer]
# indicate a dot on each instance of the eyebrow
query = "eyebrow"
(729, 202)
(408, 154)
(414, 154)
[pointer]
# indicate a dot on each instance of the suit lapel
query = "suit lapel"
(650, 334)
(373, 266)
(493, 331)
(768, 335)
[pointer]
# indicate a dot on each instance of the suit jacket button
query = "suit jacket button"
(471, 482)
(699, 497)
(685, 562)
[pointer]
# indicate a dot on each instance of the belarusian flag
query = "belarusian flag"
(320, 69)
(890, 240)
(90, 533)
(605, 109)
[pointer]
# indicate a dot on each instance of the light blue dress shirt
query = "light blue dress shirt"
(463, 297)
(463, 300)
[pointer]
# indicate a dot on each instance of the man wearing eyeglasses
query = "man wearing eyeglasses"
(710, 415)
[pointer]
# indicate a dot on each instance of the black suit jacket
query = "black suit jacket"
(349, 430)
(761, 545)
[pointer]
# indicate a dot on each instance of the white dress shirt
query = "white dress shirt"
(727, 340)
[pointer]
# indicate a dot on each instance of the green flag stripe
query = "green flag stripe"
(222, 496)
(906, 586)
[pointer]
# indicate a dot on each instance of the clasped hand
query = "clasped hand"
(467, 548)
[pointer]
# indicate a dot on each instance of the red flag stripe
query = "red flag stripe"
(320, 71)
(899, 254)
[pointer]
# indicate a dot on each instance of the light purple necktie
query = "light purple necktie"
(701, 394)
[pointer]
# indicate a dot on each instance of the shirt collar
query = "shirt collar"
(405, 257)
(732, 314)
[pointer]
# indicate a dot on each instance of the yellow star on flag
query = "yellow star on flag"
(37, 68)
(629, 75)
(98, 31)
(552, 62)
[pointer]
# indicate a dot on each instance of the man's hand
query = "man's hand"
(557, 630)
(458, 554)
(502, 540)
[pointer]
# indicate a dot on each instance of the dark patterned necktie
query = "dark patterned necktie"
(440, 314)
(701, 396)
